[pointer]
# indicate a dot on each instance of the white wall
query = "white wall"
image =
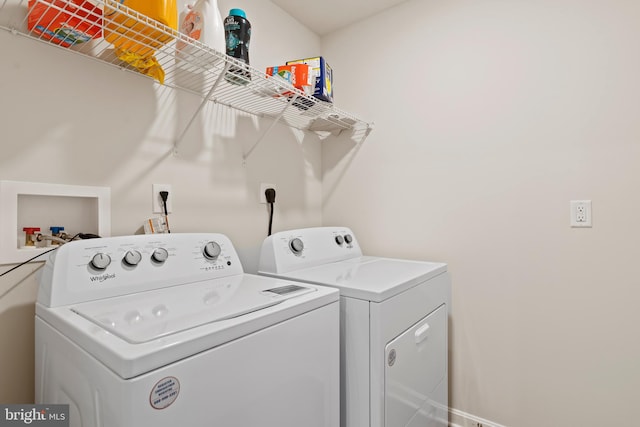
(490, 116)
(69, 120)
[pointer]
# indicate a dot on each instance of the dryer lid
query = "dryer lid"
(146, 316)
(369, 278)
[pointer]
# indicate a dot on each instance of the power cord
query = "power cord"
(28, 261)
(270, 196)
(79, 235)
(165, 195)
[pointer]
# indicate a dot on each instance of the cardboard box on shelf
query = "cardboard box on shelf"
(67, 22)
(298, 75)
(323, 74)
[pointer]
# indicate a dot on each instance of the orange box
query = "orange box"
(296, 74)
(65, 22)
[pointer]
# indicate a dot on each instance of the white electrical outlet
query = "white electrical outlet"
(580, 213)
(158, 206)
(263, 188)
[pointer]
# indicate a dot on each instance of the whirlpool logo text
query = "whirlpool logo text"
(101, 278)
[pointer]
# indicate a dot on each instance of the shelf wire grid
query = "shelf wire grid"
(187, 64)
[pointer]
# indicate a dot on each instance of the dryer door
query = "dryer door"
(415, 365)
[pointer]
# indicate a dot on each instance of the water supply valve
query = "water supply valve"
(30, 235)
(57, 232)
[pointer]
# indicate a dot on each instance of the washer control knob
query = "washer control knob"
(132, 258)
(296, 246)
(211, 250)
(339, 240)
(100, 261)
(160, 255)
(348, 238)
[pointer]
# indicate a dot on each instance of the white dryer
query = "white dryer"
(167, 330)
(394, 322)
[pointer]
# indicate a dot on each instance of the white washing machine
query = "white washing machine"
(167, 330)
(394, 322)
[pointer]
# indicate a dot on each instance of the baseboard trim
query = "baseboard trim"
(459, 418)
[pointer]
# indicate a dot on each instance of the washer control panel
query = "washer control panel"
(101, 260)
(84, 270)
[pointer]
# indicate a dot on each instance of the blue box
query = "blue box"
(323, 75)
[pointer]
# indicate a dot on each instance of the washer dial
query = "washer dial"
(132, 258)
(211, 250)
(100, 261)
(296, 246)
(160, 255)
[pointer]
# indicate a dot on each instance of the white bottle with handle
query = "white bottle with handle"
(200, 21)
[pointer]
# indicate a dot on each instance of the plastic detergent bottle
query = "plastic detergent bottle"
(202, 22)
(135, 35)
(237, 31)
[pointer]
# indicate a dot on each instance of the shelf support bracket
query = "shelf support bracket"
(215, 85)
(275, 121)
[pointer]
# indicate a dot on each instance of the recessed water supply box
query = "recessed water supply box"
(31, 205)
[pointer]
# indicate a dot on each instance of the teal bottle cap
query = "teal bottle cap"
(238, 12)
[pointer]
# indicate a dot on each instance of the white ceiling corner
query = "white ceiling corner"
(325, 16)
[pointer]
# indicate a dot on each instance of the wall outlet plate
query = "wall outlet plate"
(580, 213)
(263, 188)
(157, 200)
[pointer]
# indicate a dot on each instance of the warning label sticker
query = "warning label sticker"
(164, 393)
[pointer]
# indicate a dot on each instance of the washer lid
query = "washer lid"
(369, 278)
(147, 316)
(136, 333)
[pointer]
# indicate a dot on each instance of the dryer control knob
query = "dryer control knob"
(211, 250)
(132, 258)
(160, 255)
(100, 261)
(296, 246)
(348, 238)
(339, 240)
